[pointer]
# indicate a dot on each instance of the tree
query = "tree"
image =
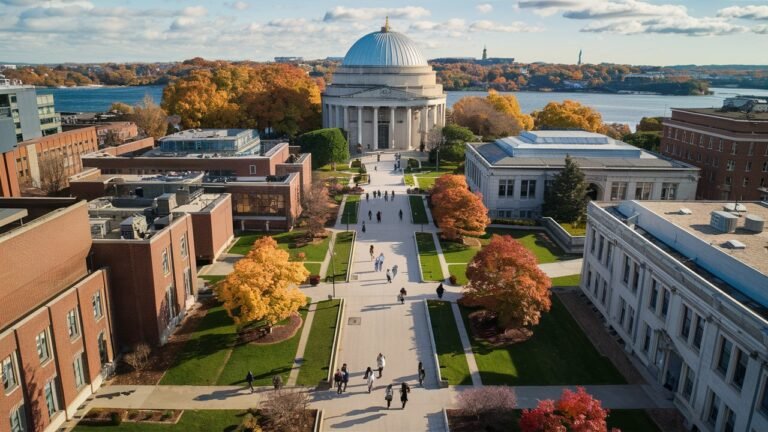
(139, 357)
(650, 124)
(574, 412)
(488, 400)
(458, 211)
(568, 115)
(315, 207)
(504, 278)
(288, 409)
(482, 118)
(121, 108)
(650, 141)
(53, 173)
(263, 285)
(326, 145)
(508, 105)
(566, 199)
(453, 132)
(615, 130)
(150, 118)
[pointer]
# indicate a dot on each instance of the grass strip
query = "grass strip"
(341, 256)
(349, 216)
(190, 421)
(450, 353)
(317, 352)
(418, 212)
(293, 242)
(430, 264)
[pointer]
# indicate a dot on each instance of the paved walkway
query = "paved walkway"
(376, 323)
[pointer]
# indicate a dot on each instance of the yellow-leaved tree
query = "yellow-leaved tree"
(568, 115)
(508, 105)
(263, 285)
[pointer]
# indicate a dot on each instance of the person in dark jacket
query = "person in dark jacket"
(249, 380)
(404, 390)
(338, 379)
(440, 290)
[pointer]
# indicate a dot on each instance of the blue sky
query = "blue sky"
(657, 32)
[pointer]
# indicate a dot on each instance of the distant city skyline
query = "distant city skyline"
(653, 32)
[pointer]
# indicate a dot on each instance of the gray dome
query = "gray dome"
(384, 48)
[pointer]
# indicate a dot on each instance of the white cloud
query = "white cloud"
(688, 26)
(238, 5)
(752, 12)
(484, 8)
(761, 29)
(624, 9)
(454, 24)
(194, 11)
(513, 27)
(341, 13)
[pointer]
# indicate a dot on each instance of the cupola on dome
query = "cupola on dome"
(384, 48)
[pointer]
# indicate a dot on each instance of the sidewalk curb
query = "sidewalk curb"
(351, 255)
(442, 383)
(445, 419)
(319, 421)
(336, 340)
(418, 256)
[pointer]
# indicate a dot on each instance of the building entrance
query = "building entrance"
(383, 136)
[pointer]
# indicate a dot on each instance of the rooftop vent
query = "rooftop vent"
(754, 223)
(734, 244)
(685, 211)
(735, 207)
(723, 221)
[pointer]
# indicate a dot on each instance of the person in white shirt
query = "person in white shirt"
(381, 361)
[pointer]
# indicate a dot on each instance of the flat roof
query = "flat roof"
(208, 134)
(755, 254)
(732, 115)
(170, 177)
(11, 215)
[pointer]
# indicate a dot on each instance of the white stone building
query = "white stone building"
(512, 173)
(687, 296)
(384, 95)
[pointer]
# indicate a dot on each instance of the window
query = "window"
(745, 182)
(166, 263)
(665, 303)
(720, 146)
(690, 378)
(604, 294)
(623, 312)
(764, 398)
(698, 333)
(618, 191)
(43, 348)
(51, 398)
(740, 371)
(188, 281)
(600, 248)
(765, 166)
(96, 300)
(252, 169)
(170, 298)
(643, 190)
(18, 419)
(730, 165)
(10, 379)
(647, 339)
(636, 278)
(183, 241)
(79, 371)
(609, 254)
(627, 270)
(73, 328)
(668, 191)
(730, 420)
(711, 141)
(724, 358)
(715, 162)
(593, 242)
(101, 343)
(264, 204)
(728, 180)
(748, 166)
(507, 188)
(685, 329)
(654, 296)
(714, 408)
(733, 148)
(528, 189)
(631, 319)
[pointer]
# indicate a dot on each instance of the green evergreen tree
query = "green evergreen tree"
(326, 145)
(566, 199)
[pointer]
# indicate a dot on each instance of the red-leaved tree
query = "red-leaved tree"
(458, 211)
(504, 278)
(575, 412)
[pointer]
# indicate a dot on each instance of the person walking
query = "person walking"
(371, 380)
(378, 216)
(394, 271)
(385, 195)
(440, 290)
(393, 195)
(422, 374)
(389, 393)
(277, 382)
(370, 249)
(363, 226)
(403, 293)
(381, 261)
(389, 276)
(401, 214)
(249, 380)
(345, 376)
(381, 361)
(370, 214)
(366, 197)
(368, 371)
(338, 379)
(404, 390)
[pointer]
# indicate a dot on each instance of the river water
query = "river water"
(613, 107)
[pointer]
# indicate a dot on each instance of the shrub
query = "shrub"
(413, 163)
(452, 279)
(139, 357)
(287, 410)
(522, 222)
(362, 169)
(326, 145)
(356, 163)
(116, 419)
(487, 400)
(314, 279)
(250, 423)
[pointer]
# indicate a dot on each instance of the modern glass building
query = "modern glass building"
(222, 141)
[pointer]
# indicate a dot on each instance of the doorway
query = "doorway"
(383, 136)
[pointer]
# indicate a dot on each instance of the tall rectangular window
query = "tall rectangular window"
(507, 188)
(627, 270)
(10, 377)
(528, 189)
(170, 298)
(643, 190)
(630, 319)
(609, 254)
(698, 332)
(165, 263)
(724, 358)
(668, 191)
(101, 343)
(73, 327)
(730, 420)
(96, 300)
(654, 296)
(51, 397)
(685, 329)
(593, 242)
(622, 312)
(714, 408)
(647, 339)
(740, 371)
(618, 191)
(690, 378)
(183, 245)
(43, 348)
(764, 397)
(665, 303)
(636, 278)
(79, 371)
(730, 165)
(600, 248)
(18, 419)
(188, 281)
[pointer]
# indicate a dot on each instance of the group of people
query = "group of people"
(341, 379)
(370, 217)
(377, 194)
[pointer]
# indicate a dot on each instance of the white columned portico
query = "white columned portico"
(375, 127)
(345, 115)
(433, 110)
(408, 128)
(359, 125)
(392, 127)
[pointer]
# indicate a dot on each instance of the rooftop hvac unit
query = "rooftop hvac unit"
(133, 227)
(735, 207)
(754, 223)
(734, 244)
(723, 221)
(165, 203)
(685, 211)
(100, 227)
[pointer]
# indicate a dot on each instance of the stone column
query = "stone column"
(375, 127)
(434, 115)
(360, 125)
(325, 115)
(409, 125)
(392, 127)
(345, 116)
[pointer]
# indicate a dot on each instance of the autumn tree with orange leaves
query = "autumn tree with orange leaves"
(575, 412)
(505, 279)
(458, 211)
(263, 285)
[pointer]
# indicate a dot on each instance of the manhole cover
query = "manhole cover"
(353, 321)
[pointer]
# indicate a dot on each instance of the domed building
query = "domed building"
(384, 95)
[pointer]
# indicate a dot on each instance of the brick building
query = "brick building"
(730, 147)
(55, 323)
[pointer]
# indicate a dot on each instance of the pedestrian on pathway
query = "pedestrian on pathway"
(338, 379)
(371, 250)
(375, 167)
(388, 395)
(401, 214)
(277, 382)
(371, 379)
(389, 276)
(393, 195)
(381, 261)
(378, 158)
(249, 380)
(422, 374)
(378, 216)
(368, 371)
(366, 197)
(403, 293)
(394, 271)
(440, 290)
(363, 226)
(381, 361)
(345, 376)
(404, 390)
(385, 195)
(370, 215)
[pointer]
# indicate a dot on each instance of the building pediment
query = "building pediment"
(384, 93)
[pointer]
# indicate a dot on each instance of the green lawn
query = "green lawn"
(313, 268)
(558, 354)
(349, 216)
(190, 421)
(341, 257)
(418, 212)
(460, 271)
(566, 281)
(408, 180)
(629, 420)
(317, 354)
(450, 353)
(546, 251)
(574, 230)
(426, 181)
(212, 280)
(210, 357)
(314, 251)
(456, 252)
(430, 264)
